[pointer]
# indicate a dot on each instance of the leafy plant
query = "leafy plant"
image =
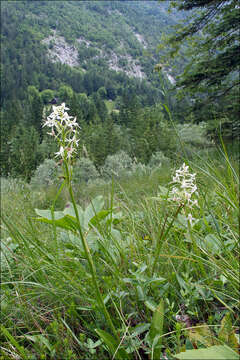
(84, 171)
(117, 165)
(216, 352)
(158, 159)
(46, 174)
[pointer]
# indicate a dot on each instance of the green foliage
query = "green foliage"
(55, 312)
(84, 171)
(209, 42)
(30, 78)
(158, 159)
(117, 165)
(193, 134)
(47, 95)
(112, 345)
(102, 92)
(211, 353)
(115, 111)
(24, 154)
(156, 330)
(65, 93)
(46, 174)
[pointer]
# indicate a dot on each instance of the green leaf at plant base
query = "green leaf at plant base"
(212, 244)
(69, 210)
(112, 344)
(66, 219)
(92, 209)
(61, 220)
(41, 340)
(226, 333)
(92, 240)
(216, 352)
(156, 328)
(150, 304)
(139, 329)
(98, 217)
(202, 335)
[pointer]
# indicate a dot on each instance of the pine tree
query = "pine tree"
(210, 44)
(24, 154)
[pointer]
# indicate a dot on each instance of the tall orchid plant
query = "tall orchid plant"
(184, 191)
(64, 129)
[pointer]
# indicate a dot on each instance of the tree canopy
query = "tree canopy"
(210, 41)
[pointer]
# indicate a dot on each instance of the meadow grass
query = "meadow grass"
(157, 275)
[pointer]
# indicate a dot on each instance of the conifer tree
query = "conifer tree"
(24, 155)
(210, 45)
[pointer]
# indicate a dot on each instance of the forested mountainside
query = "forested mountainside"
(97, 56)
(95, 39)
(102, 58)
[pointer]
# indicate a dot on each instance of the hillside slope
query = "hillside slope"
(96, 56)
(39, 38)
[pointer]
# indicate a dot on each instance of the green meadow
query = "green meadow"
(161, 287)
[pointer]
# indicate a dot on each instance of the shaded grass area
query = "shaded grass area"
(147, 257)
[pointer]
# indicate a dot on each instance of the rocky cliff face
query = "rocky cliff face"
(60, 51)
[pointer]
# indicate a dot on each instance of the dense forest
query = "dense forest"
(106, 68)
(103, 68)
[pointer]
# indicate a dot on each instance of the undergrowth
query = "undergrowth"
(167, 287)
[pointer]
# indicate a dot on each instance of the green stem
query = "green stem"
(52, 210)
(162, 237)
(89, 259)
(195, 248)
(175, 129)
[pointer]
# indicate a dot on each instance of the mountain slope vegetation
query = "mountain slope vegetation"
(119, 221)
(94, 35)
(95, 56)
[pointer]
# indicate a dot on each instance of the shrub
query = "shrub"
(193, 134)
(158, 159)
(84, 171)
(12, 185)
(140, 169)
(46, 173)
(117, 165)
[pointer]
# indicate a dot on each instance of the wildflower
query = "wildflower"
(60, 152)
(185, 187)
(70, 151)
(190, 219)
(64, 129)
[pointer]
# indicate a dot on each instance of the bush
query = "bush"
(140, 169)
(12, 184)
(47, 95)
(158, 159)
(117, 165)
(193, 134)
(46, 174)
(84, 171)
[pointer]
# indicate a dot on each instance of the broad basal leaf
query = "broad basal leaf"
(112, 345)
(156, 328)
(61, 220)
(202, 335)
(217, 352)
(226, 333)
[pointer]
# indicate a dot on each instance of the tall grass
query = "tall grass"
(150, 267)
